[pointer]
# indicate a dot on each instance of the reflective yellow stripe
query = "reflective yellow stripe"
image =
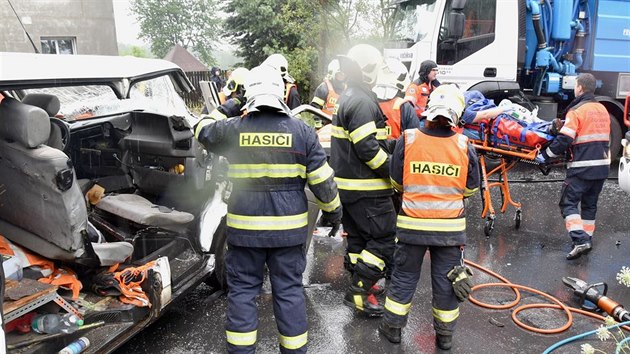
(241, 338)
(371, 259)
(382, 133)
(294, 342)
(289, 222)
(469, 192)
(318, 101)
(396, 186)
(260, 170)
(320, 175)
(217, 115)
(353, 257)
(361, 132)
(340, 133)
(202, 123)
(378, 160)
(358, 302)
(445, 316)
(445, 225)
(330, 206)
(373, 184)
(396, 307)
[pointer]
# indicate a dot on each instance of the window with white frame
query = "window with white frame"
(58, 45)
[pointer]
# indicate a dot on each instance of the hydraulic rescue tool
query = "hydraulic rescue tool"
(591, 292)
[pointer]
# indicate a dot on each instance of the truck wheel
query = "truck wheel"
(615, 138)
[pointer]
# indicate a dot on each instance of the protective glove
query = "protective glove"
(332, 219)
(540, 159)
(460, 277)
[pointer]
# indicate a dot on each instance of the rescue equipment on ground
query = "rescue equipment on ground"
(126, 284)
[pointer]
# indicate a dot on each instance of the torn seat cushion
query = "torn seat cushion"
(141, 211)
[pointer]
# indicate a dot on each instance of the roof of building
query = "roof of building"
(184, 59)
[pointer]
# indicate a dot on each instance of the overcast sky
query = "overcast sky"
(126, 27)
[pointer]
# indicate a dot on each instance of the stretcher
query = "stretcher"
(508, 155)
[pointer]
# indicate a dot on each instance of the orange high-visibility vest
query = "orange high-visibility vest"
(222, 98)
(331, 99)
(391, 109)
(419, 96)
(434, 175)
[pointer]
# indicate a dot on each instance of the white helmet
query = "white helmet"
(393, 78)
(278, 62)
(333, 68)
(445, 101)
(369, 60)
(264, 87)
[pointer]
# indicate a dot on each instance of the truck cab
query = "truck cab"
(527, 51)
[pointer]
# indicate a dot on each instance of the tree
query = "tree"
(189, 23)
(134, 51)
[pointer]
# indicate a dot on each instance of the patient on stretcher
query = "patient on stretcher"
(506, 124)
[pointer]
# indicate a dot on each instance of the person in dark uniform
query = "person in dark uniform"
(272, 156)
(327, 93)
(360, 159)
(435, 169)
(586, 133)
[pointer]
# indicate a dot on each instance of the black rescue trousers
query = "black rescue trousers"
(408, 263)
(371, 227)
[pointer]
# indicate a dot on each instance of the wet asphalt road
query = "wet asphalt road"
(533, 255)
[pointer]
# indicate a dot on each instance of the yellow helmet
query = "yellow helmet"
(445, 101)
(236, 81)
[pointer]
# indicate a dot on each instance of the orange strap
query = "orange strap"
(130, 281)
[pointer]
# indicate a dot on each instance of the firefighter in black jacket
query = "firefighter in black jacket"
(360, 160)
(272, 155)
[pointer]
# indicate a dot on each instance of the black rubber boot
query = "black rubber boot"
(579, 250)
(391, 333)
(444, 342)
(366, 303)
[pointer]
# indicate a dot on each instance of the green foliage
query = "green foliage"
(308, 33)
(189, 23)
(134, 51)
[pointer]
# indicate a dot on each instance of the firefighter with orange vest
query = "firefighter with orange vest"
(327, 93)
(280, 63)
(390, 87)
(435, 169)
(586, 134)
(420, 89)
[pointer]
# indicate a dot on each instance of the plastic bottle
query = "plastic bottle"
(76, 347)
(56, 323)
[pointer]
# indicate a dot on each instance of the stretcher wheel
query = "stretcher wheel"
(487, 229)
(517, 219)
